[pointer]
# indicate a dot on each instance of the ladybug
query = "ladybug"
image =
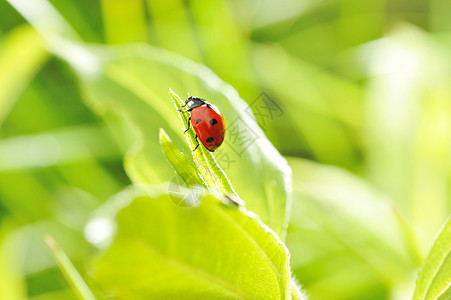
(207, 122)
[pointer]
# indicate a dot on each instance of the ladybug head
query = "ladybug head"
(193, 102)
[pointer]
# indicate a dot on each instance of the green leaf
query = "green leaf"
(12, 284)
(181, 164)
(21, 55)
(434, 278)
(347, 215)
(71, 274)
(209, 169)
(211, 251)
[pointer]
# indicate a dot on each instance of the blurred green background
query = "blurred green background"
(363, 97)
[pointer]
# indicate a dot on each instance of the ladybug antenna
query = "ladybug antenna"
(189, 95)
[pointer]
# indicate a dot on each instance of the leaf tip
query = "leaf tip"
(176, 98)
(163, 136)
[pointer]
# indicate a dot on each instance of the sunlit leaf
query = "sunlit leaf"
(354, 216)
(22, 53)
(247, 156)
(212, 250)
(181, 164)
(434, 278)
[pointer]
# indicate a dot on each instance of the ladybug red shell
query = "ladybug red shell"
(207, 122)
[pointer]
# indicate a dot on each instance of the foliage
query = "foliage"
(353, 94)
(200, 252)
(433, 279)
(70, 273)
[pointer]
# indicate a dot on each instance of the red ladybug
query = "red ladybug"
(207, 122)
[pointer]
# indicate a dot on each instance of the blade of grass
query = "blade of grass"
(21, 56)
(71, 274)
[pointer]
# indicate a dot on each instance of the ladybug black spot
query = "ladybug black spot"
(209, 140)
(213, 122)
(198, 120)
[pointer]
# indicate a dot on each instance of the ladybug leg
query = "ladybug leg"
(189, 123)
(197, 144)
